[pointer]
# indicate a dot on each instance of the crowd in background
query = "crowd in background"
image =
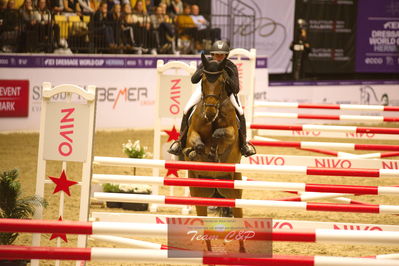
(110, 26)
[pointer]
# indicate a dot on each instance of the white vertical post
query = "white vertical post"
(80, 148)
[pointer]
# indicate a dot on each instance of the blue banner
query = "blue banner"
(377, 37)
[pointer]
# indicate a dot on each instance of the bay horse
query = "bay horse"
(213, 136)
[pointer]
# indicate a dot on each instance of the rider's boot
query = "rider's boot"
(247, 149)
(178, 145)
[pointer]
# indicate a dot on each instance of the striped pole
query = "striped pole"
(156, 256)
(161, 230)
(245, 203)
(339, 154)
(347, 107)
(325, 128)
(240, 184)
(357, 118)
(276, 224)
(228, 167)
(334, 145)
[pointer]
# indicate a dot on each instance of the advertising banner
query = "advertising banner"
(330, 33)
(14, 98)
(66, 132)
(377, 37)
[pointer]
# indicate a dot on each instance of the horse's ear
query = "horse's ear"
(204, 60)
(222, 64)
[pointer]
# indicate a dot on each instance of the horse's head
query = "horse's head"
(213, 91)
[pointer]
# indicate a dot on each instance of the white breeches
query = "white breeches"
(196, 97)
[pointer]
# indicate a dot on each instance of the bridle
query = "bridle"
(219, 104)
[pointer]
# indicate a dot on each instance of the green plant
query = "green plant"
(13, 205)
(112, 188)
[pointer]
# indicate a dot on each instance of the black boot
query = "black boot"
(247, 149)
(178, 145)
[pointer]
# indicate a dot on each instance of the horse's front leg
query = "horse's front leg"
(195, 145)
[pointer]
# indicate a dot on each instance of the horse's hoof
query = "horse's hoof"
(200, 148)
(218, 134)
(192, 155)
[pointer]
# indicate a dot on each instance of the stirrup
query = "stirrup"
(175, 148)
(248, 149)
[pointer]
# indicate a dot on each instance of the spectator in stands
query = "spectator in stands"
(103, 27)
(116, 20)
(30, 27)
(205, 35)
(175, 8)
(10, 27)
(87, 6)
(164, 30)
(149, 6)
(46, 28)
(186, 30)
(144, 33)
(57, 6)
(127, 26)
(70, 6)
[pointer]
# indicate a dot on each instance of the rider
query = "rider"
(219, 51)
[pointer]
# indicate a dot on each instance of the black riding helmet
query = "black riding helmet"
(220, 47)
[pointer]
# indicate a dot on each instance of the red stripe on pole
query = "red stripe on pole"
(195, 182)
(276, 260)
(45, 226)
(377, 147)
(377, 130)
(343, 172)
(369, 190)
(333, 153)
(200, 201)
(295, 144)
(316, 106)
(50, 253)
(277, 127)
(391, 108)
(290, 199)
(200, 166)
(294, 236)
(391, 119)
(311, 116)
(389, 154)
(332, 207)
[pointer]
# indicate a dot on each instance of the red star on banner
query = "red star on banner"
(62, 183)
(173, 134)
(172, 172)
(61, 235)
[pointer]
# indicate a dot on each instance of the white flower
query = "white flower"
(135, 188)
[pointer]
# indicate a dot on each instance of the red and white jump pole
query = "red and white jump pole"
(334, 145)
(156, 256)
(161, 230)
(347, 107)
(246, 203)
(240, 184)
(357, 118)
(325, 128)
(228, 167)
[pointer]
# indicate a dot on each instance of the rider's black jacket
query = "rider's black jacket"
(232, 84)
